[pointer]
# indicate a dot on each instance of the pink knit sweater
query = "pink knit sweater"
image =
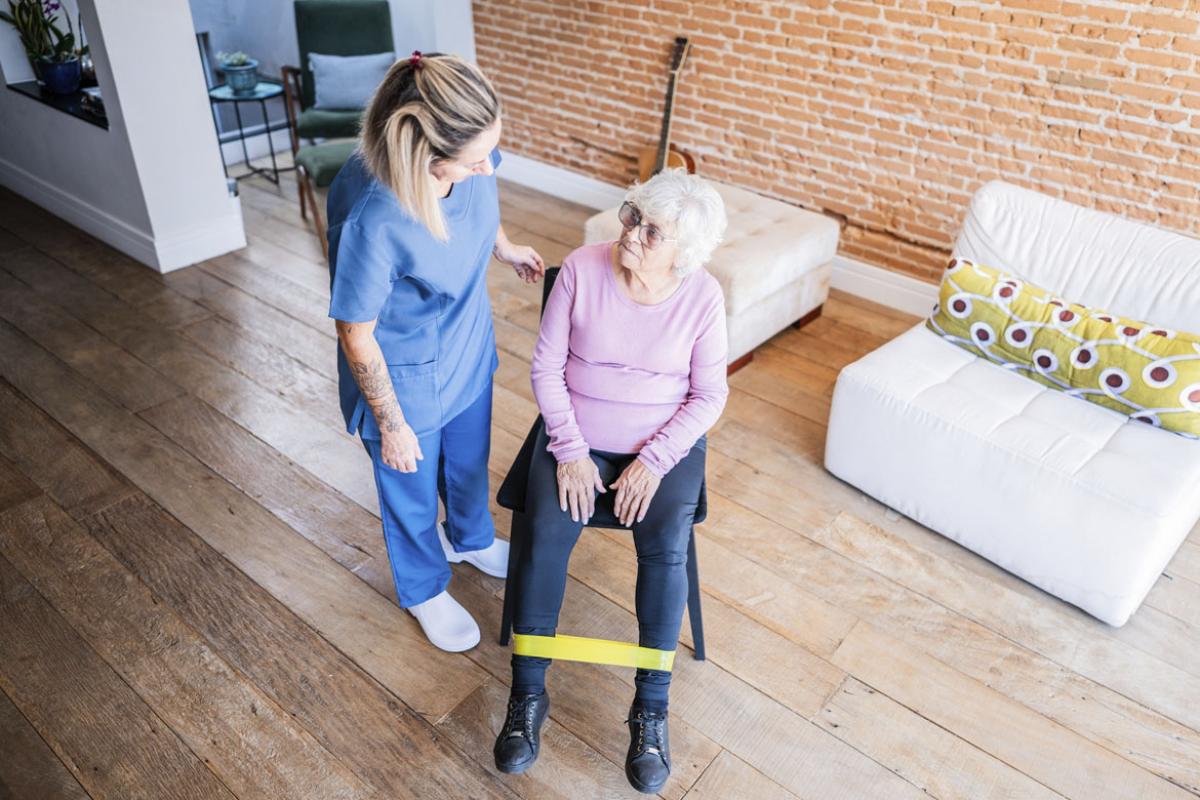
(611, 374)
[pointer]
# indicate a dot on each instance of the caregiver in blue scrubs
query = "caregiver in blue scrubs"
(413, 220)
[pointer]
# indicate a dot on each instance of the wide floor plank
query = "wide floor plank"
(729, 776)
(77, 482)
(935, 759)
(378, 635)
(252, 743)
(358, 719)
(29, 767)
(993, 723)
(113, 744)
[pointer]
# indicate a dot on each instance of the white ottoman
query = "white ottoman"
(774, 265)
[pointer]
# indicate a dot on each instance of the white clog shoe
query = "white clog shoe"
(492, 560)
(446, 623)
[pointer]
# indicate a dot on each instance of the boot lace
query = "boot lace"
(519, 720)
(650, 731)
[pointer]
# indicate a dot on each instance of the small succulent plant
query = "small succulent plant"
(238, 59)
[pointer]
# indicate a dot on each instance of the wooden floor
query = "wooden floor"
(195, 600)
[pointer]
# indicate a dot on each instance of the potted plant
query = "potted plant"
(51, 52)
(241, 71)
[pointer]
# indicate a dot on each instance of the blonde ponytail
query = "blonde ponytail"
(428, 108)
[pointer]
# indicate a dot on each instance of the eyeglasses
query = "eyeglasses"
(651, 236)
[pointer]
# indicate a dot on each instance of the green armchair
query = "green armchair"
(330, 27)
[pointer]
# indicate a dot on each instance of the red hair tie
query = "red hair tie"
(416, 60)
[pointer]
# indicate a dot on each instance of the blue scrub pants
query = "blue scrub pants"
(455, 468)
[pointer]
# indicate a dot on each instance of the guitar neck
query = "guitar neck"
(664, 138)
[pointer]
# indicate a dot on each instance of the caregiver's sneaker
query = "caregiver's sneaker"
(448, 625)
(492, 560)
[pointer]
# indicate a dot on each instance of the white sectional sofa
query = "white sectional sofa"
(1068, 495)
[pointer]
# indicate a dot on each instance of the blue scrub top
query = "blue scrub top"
(429, 297)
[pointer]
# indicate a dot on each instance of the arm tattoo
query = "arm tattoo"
(376, 385)
(372, 378)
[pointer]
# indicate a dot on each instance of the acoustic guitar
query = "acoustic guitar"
(653, 160)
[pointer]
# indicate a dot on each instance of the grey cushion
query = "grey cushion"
(346, 82)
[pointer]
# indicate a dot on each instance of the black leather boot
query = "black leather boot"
(521, 735)
(648, 762)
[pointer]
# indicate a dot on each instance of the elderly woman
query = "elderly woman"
(629, 373)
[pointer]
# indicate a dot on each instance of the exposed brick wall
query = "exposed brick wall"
(890, 113)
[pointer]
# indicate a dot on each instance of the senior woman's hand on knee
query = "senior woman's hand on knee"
(635, 489)
(578, 482)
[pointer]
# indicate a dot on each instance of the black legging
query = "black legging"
(661, 541)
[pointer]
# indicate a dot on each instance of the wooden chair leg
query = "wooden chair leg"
(306, 188)
(312, 199)
(302, 178)
(693, 601)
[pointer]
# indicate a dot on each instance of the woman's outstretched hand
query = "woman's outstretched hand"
(635, 489)
(524, 259)
(578, 482)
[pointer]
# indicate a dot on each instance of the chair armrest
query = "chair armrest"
(293, 98)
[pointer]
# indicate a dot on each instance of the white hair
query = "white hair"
(692, 205)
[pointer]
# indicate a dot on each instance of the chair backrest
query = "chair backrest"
(548, 283)
(339, 28)
(1086, 256)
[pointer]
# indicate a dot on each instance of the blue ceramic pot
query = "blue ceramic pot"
(243, 79)
(60, 77)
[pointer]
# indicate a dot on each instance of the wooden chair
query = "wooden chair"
(328, 27)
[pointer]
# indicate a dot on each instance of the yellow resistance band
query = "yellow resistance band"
(593, 651)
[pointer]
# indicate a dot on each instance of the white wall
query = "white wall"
(444, 26)
(454, 28)
(152, 184)
(265, 29)
(433, 26)
(61, 162)
(170, 128)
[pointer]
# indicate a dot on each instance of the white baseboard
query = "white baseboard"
(849, 275)
(559, 182)
(162, 254)
(218, 236)
(99, 223)
(883, 286)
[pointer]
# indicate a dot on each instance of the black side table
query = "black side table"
(263, 91)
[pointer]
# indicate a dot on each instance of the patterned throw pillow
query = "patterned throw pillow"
(1146, 371)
